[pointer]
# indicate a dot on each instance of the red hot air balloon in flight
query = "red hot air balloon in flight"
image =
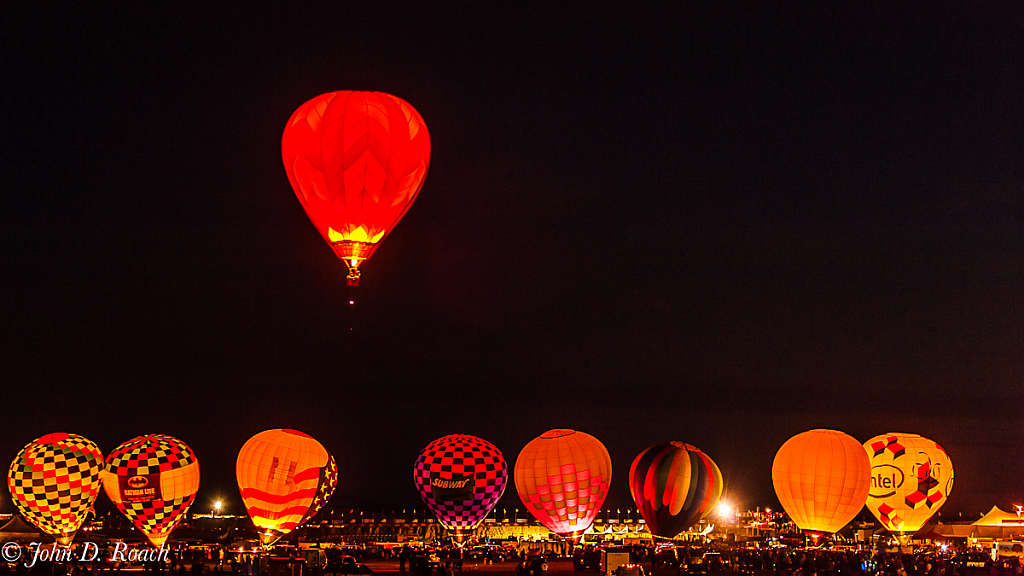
(356, 161)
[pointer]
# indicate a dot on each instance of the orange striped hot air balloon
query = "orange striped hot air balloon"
(822, 479)
(285, 477)
(563, 476)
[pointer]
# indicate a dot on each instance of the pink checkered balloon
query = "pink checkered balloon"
(461, 478)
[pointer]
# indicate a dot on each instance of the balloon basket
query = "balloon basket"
(460, 536)
(573, 538)
(352, 253)
(815, 537)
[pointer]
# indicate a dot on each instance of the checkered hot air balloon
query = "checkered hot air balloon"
(152, 480)
(563, 477)
(674, 485)
(285, 478)
(461, 478)
(54, 482)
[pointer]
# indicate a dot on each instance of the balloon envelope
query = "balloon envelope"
(911, 477)
(356, 161)
(821, 480)
(54, 482)
(153, 481)
(285, 477)
(460, 478)
(562, 477)
(674, 485)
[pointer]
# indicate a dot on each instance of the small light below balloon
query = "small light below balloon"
(351, 302)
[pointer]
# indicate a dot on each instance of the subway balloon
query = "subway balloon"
(460, 478)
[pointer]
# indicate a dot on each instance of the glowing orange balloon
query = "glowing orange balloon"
(822, 479)
(356, 161)
(285, 478)
(563, 477)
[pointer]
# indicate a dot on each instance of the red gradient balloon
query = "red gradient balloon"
(356, 161)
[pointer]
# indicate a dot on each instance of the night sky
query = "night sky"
(718, 225)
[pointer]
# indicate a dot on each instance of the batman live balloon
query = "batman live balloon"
(911, 477)
(821, 480)
(153, 481)
(674, 485)
(460, 478)
(285, 478)
(356, 161)
(54, 482)
(563, 476)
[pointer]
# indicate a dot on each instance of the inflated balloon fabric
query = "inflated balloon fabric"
(460, 478)
(153, 481)
(356, 161)
(562, 477)
(285, 477)
(821, 479)
(54, 481)
(674, 485)
(911, 477)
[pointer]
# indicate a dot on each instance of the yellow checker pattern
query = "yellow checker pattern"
(54, 482)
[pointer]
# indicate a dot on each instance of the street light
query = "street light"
(216, 508)
(725, 512)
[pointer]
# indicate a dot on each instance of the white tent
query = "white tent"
(997, 517)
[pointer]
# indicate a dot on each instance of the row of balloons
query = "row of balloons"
(823, 478)
(284, 476)
(563, 477)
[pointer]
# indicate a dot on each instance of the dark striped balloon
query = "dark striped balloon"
(674, 485)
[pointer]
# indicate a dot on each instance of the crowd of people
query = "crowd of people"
(831, 562)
